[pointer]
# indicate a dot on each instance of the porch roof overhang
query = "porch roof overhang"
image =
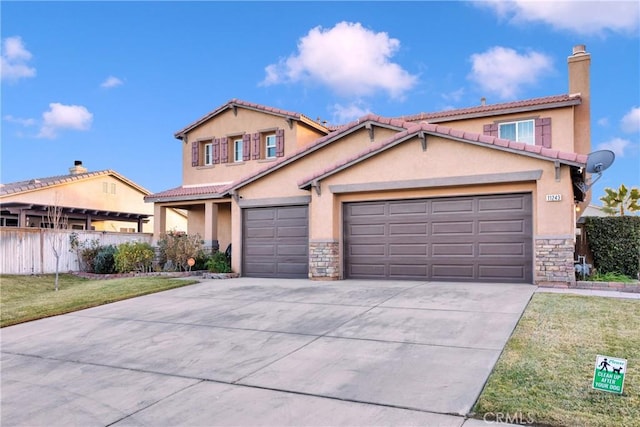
(188, 193)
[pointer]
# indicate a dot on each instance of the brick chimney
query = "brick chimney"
(77, 168)
(579, 84)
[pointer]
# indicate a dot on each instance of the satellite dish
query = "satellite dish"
(599, 161)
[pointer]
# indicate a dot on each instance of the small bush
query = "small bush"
(176, 248)
(218, 263)
(104, 262)
(87, 253)
(134, 256)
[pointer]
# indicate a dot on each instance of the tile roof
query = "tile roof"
(40, 183)
(496, 109)
(207, 191)
(252, 106)
(450, 133)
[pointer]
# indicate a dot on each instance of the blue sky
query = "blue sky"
(109, 83)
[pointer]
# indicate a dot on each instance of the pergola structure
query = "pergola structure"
(35, 215)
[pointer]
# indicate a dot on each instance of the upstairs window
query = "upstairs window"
(237, 150)
(208, 154)
(521, 131)
(270, 146)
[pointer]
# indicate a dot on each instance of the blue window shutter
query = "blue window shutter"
(280, 143)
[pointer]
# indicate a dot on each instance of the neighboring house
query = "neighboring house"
(487, 193)
(102, 201)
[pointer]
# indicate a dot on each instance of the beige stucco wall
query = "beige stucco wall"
(284, 182)
(228, 124)
(196, 220)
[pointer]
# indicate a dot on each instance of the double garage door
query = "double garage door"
(478, 238)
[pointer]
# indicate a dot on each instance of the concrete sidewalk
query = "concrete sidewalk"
(591, 293)
(266, 352)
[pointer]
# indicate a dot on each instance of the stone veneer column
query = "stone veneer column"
(554, 264)
(324, 260)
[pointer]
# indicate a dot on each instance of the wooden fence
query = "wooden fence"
(30, 250)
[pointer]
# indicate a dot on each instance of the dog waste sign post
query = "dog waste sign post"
(608, 374)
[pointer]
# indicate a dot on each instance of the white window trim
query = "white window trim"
(238, 153)
(517, 137)
(267, 138)
(208, 154)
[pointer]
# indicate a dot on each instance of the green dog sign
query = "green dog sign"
(608, 374)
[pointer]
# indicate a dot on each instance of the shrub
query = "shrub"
(218, 263)
(177, 248)
(104, 262)
(86, 251)
(134, 256)
(615, 244)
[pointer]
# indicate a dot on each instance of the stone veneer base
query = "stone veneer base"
(554, 265)
(324, 260)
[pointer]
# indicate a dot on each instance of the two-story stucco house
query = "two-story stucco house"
(90, 200)
(487, 193)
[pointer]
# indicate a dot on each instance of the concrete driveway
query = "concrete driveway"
(267, 352)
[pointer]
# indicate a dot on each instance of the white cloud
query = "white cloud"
(578, 16)
(13, 62)
(503, 71)
(604, 121)
(618, 145)
(110, 82)
(630, 123)
(24, 122)
(454, 96)
(349, 59)
(346, 113)
(59, 117)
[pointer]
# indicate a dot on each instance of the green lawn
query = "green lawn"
(24, 298)
(546, 370)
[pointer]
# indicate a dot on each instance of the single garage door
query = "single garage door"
(276, 242)
(479, 238)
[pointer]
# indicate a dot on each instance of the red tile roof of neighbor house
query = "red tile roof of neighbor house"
(40, 183)
(536, 151)
(252, 106)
